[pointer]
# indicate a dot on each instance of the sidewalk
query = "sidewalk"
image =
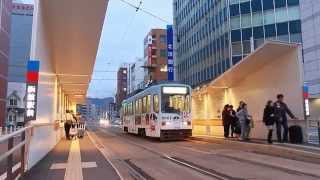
(73, 160)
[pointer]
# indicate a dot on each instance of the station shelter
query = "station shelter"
(274, 68)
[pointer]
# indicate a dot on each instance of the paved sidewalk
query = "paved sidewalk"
(73, 160)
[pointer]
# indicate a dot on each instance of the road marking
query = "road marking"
(84, 165)
(102, 148)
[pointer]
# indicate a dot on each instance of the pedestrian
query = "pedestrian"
(269, 119)
(240, 105)
(234, 120)
(226, 120)
(281, 111)
(245, 121)
(68, 124)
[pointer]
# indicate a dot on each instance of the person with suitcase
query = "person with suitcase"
(269, 119)
(281, 111)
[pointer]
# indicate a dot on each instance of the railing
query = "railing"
(314, 131)
(9, 135)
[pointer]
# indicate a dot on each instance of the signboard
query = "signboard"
(32, 89)
(306, 100)
(170, 63)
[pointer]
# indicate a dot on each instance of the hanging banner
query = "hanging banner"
(170, 63)
(32, 89)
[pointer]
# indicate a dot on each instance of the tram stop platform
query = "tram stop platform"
(77, 159)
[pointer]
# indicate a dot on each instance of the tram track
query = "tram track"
(176, 160)
(211, 172)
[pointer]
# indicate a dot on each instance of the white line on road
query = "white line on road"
(103, 152)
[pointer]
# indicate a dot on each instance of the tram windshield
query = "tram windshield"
(175, 100)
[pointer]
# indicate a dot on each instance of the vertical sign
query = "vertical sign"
(149, 43)
(306, 100)
(170, 53)
(32, 89)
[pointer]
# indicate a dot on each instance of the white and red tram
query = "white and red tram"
(162, 111)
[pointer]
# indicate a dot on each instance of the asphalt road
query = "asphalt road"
(134, 157)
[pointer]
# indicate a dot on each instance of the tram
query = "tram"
(161, 111)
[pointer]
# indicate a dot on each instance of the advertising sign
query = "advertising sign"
(170, 53)
(32, 89)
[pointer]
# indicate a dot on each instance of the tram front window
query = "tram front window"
(172, 102)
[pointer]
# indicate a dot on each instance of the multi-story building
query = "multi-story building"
(5, 16)
(122, 85)
(155, 55)
(136, 76)
(20, 42)
(213, 35)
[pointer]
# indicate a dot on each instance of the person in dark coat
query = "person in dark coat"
(226, 120)
(269, 119)
(234, 120)
(281, 111)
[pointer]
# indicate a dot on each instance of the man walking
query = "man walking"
(281, 111)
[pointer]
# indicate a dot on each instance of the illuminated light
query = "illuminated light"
(174, 90)
(307, 107)
(78, 95)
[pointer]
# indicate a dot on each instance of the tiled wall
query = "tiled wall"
(5, 21)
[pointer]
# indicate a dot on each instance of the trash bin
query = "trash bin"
(295, 134)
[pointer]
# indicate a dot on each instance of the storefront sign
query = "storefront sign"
(170, 52)
(32, 90)
(306, 100)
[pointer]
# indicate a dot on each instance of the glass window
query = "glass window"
(163, 38)
(293, 2)
(296, 38)
(295, 26)
(234, 10)
(257, 19)
(148, 104)
(246, 47)
(236, 59)
(163, 53)
(234, 1)
(156, 103)
(245, 7)
(235, 22)
(270, 30)
(269, 17)
(258, 42)
(246, 34)
(237, 48)
(267, 4)
(282, 29)
(175, 103)
(294, 13)
(140, 105)
(280, 3)
(281, 15)
(246, 20)
(256, 5)
(235, 35)
(144, 104)
(137, 107)
(284, 38)
(258, 32)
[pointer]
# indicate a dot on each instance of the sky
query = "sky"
(122, 40)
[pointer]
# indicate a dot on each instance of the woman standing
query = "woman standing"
(226, 120)
(269, 119)
(245, 120)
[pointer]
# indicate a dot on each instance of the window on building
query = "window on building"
(163, 38)
(163, 53)
(235, 35)
(13, 102)
(256, 5)
(245, 8)
(295, 26)
(269, 17)
(236, 59)
(281, 15)
(293, 2)
(257, 19)
(246, 20)
(164, 68)
(246, 47)
(258, 32)
(282, 29)
(234, 10)
(280, 3)
(267, 4)
(270, 30)
(293, 13)
(246, 34)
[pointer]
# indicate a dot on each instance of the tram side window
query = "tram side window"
(137, 107)
(148, 104)
(140, 106)
(156, 103)
(130, 108)
(144, 104)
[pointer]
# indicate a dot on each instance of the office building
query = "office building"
(122, 85)
(5, 16)
(136, 76)
(214, 35)
(20, 42)
(155, 55)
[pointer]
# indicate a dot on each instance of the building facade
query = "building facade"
(122, 85)
(20, 42)
(136, 76)
(214, 35)
(5, 21)
(155, 55)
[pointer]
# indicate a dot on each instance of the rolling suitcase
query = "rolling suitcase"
(295, 134)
